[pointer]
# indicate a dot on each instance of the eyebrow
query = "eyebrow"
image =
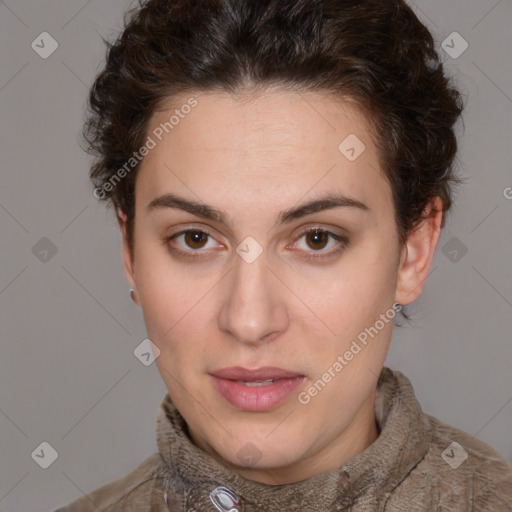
(206, 211)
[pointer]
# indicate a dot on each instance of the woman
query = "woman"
(281, 171)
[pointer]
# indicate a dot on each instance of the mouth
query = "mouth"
(256, 390)
(256, 382)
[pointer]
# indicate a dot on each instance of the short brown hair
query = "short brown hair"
(375, 52)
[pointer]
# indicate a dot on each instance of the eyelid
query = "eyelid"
(342, 240)
(342, 243)
(190, 253)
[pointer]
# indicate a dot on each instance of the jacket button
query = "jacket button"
(224, 499)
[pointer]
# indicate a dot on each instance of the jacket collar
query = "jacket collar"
(403, 441)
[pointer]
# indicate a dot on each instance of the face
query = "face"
(260, 242)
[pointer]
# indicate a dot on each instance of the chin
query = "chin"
(260, 451)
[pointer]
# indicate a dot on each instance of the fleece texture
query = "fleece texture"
(417, 464)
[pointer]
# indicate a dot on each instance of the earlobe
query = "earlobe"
(418, 253)
(126, 256)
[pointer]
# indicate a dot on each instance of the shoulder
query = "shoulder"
(461, 472)
(137, 489)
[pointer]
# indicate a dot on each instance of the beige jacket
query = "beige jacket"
(417, 464)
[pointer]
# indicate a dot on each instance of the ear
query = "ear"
(126, 255)
(418, 253)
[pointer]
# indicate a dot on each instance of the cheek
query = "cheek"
(358, 293)
(165, 293)
(174, 309)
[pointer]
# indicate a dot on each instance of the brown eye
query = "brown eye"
(195, 239)
(191, 243)
(317, 239)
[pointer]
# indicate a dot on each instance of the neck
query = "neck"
(354, 439)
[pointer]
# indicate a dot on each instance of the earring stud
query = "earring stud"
(131, 294)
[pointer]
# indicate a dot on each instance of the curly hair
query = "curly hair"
(374, 52)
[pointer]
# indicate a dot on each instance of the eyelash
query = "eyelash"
(193, 255)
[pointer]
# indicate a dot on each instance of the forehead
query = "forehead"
(281, 144)
(269, 120)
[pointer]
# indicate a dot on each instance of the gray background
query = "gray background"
(68, 375)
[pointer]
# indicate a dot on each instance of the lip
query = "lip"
(255, 398)
(265, 372)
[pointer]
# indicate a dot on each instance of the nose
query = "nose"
(254, 310)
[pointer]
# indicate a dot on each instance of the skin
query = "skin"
(251, 158)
